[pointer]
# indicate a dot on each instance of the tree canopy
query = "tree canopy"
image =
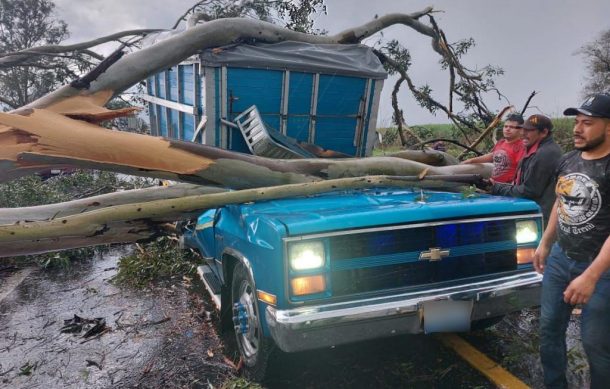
(597, 60)
(25, 24)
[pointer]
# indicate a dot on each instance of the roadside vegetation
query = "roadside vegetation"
(562, 132)
(161, 260)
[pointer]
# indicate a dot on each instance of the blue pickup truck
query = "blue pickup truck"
(342, 267)
(335, 268)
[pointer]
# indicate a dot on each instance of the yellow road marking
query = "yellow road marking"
(490, 369)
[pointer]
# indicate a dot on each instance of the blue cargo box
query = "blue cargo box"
(322, 94)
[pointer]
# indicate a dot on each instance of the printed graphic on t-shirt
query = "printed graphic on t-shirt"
(579, 202)
(501, 163)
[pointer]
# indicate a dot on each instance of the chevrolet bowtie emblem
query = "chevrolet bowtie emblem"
(434, 254)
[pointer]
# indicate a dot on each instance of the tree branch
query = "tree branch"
(421, 144)
(139, 65)
(527, 103)
(7, 102)
(136, 221)
(16, 57)
(489, 129)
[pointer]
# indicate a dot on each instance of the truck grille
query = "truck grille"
(386, 259)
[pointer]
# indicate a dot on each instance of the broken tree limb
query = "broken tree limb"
(427, 156)
(114, 232)
(527, 102)
(16, 57)
(137, 66)
(52, 211)
(44, 139)
(137, 222)
(488, 130)
(455, 142)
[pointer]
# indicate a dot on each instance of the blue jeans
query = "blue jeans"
(560, 270)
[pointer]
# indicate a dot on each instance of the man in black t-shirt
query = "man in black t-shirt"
(576, 270)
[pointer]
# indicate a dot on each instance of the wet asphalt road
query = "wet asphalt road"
(167, 338)
(149, 339)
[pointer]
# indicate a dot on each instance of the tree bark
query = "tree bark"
(10, 216)
(427, 156)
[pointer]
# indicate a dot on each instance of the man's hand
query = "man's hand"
(485, 184)
(542, 252)
(580, 290)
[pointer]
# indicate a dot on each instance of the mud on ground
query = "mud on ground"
(163, 337)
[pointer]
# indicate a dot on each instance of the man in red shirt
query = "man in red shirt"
(507, 153)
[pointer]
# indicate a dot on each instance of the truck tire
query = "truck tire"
(254, 348)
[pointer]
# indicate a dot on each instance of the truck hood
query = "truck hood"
(365, 208)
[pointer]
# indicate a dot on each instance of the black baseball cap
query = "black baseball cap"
(597, 105)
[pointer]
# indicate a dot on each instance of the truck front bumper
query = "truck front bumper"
(328, 325)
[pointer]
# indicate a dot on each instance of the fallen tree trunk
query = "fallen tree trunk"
(44, 139)
(427, 156)
(53, 211)
(140, 221)
(114, 232)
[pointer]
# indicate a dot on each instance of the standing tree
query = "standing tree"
(25, 24)
(597, 60)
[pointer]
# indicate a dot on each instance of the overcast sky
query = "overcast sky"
(534, 41)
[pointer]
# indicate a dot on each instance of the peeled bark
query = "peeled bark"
(44, 139)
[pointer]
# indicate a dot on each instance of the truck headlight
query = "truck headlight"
(527, 231)
(306, 255)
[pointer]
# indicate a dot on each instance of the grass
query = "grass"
(562, 133)
(157, 261)
(239, 383)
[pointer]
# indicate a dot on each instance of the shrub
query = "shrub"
(159, 260)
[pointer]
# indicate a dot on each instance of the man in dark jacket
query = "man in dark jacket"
(535, 173)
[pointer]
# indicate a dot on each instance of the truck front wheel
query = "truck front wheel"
(253, 347)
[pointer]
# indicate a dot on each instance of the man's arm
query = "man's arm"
(534, 180)
(547, 240)
(480, 159)
(581, 288)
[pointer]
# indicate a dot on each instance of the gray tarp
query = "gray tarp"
(350, 60)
